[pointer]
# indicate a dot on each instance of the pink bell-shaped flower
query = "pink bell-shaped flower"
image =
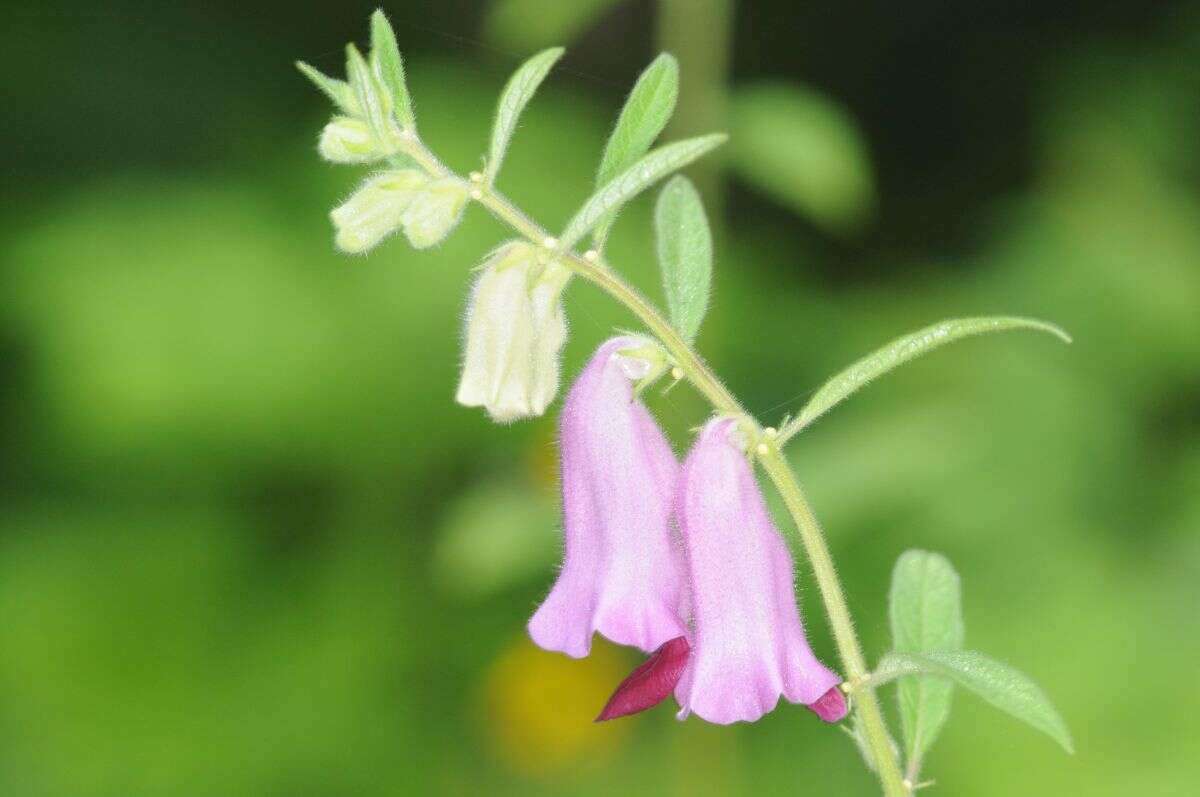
(747, 643)
(623, 572)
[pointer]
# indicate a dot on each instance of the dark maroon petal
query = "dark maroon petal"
(830, 706)
(650, 683)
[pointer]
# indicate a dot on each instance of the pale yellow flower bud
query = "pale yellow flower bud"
(435, 211)
(376, 209)
(515, 331)
(346, 140)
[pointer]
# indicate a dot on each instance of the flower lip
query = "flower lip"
(831, 706)
(651, 683)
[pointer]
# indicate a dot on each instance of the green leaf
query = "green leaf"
(366, 92)
(803, 149)
(684, 254)
(527, 25)
(925, 606)
(1005, 688)
(389, 69)
(516, 95)
(903, 349)
(338, 91)
(643, 117)
(637, 178)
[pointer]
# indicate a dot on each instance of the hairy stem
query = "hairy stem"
(593, 269)
(878, 739)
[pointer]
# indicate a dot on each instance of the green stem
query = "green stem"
(593, 269)
(849, 650)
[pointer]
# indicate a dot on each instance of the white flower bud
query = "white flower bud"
(376, 209)
(435, 211)
(346, 140)
(515, 330)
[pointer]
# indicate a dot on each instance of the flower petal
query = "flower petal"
(748, 645)
(622, 571)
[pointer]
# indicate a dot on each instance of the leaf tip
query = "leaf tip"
(669, 61)
(1061, 334)
(1049, 328)
(714, 140)
(551, 55)
(675, 184)
(378, 18)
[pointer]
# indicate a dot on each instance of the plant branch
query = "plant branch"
(592, 268)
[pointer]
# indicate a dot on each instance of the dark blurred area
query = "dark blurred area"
(249, 544)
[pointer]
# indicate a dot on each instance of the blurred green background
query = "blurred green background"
(249, 544)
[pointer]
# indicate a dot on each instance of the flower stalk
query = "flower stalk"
(591, 267)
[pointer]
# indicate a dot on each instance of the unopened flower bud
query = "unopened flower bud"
(376, 209)
(515, 330)
(435, 211)
(346, 140)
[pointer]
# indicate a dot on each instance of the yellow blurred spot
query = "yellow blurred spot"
(539, 708)
(541, 459)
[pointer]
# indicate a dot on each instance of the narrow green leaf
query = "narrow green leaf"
(925, 606)
(902, 350)
(389, 69)
(516, 95)
(804, 150)
(338, 91)
(892, 666)
(637, 178)
(684, 254)
(366, 92)
(1005, 688)
(643, 117)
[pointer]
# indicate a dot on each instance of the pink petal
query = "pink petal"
(622, 574)
(651, 683)
(748, 645)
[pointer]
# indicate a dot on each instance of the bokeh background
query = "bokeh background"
(249, 544)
